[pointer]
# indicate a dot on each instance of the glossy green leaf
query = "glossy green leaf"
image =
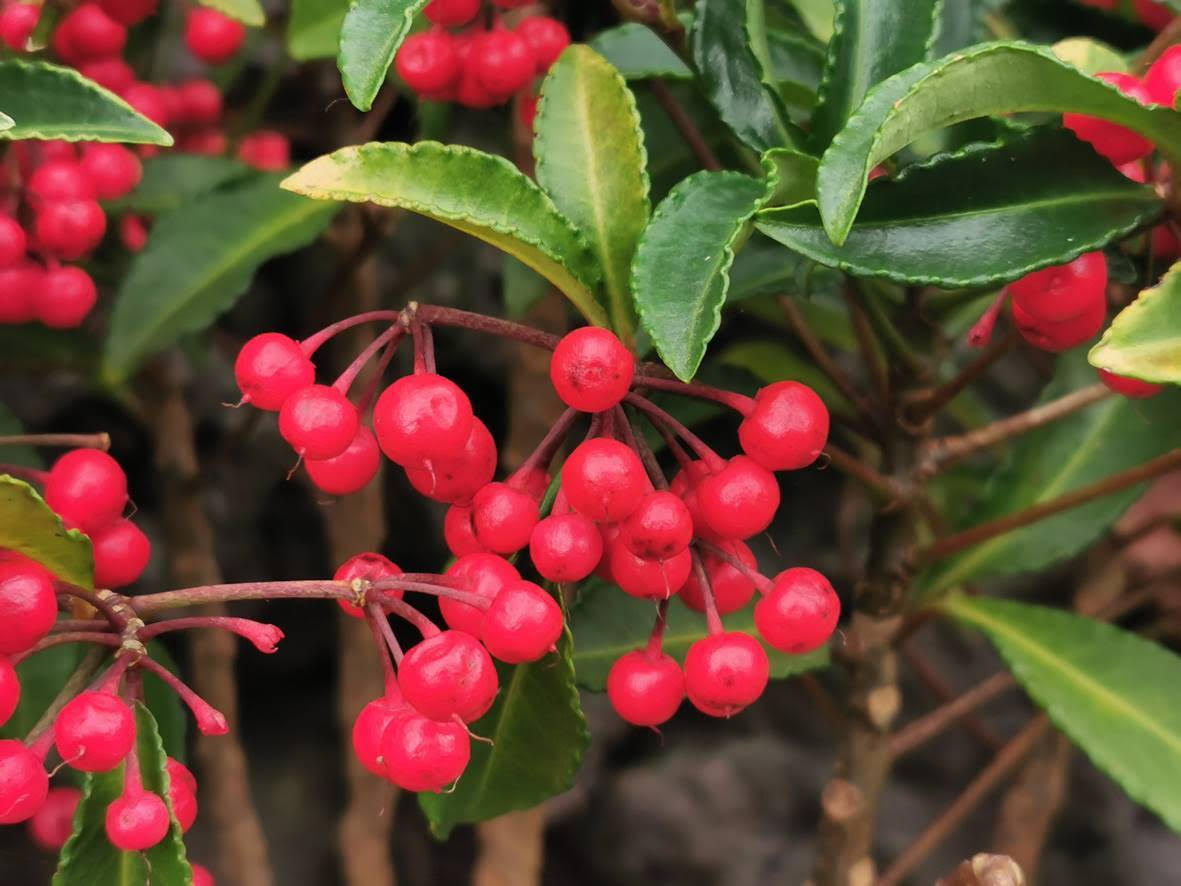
(42, 677)
(764, 267)
(313, 31)
(607, 623)
(797, 62)
(29, 526)
(1089, 56)
(174, 180)
(871, 40)
(370, 35)
(88, 858)
(1112, 692)
(52, 102)
(477, 193)
(818, 16)
(249, 12)
(638, 54)
(538, 738)
(994, 78)
(199, 259)
(987, 214)
(1144, 339)
(1111, 436)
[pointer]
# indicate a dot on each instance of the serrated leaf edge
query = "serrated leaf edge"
(363, 94)
(1128, 317)
(74, 535)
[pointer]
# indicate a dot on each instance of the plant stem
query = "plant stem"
(440, 316)
(29, 475)
(1170, 34)
(684, 124)
(894, 341)
(76, 683)
(931, 402)
(654, 412)
(101, 440)
(867, 344)
(391, 337)
(943, 692)
(740, 403)
(150, 604)
(927, 727)
(863, 473)
(96, 637)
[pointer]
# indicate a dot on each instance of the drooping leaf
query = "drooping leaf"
(638, 54)
(313, 31)
(174, 180)
(538, 738)
(1144, 339)
(6, 122)
(89, 858)
(199, 259)
(1112, 692)
(1110, 436)
(987, 214)
(871, 41)
(591, 162)
(994, 78)
(52, 102)
(370, 35)
(42, 677)
(477, 193)
(1089, 56)
(248, 12)
(29, 526)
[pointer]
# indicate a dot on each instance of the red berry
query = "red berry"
(645, 688)
(179, 774)
(207, 141)
(114, 170)
(799, 613)
(1163, 79)
(370, 726)
(591, 370)
(661, 527)
(70, 230)
(451, 13)
(725, 673)
(201, 876)
(200, 102)
(17, 24)
(604, 480)
(87, 488)
(460, 533)
(1117, 143)
(129, 12)
(10, 690)
(522, 624)
(1129, 387)
(60, 181)
(52, 824)
(547, 37)
(350, 471)
(740, 500)
(66, 297)
(111, 73)
(212, 36)
(731, 587)
(471, 93)
(368, 567)
(133, 233)
(456, 479)
(485, 575)
(1154, 14)
(89, 33)
(137, 820)
(423, 754)
(449, 675)
(527, 110)
(19, 286)
(265, 150)
(1055, 337)
(652, 579)
(95, 731)
(182, 799)
(24, 784)
(318, 421)
(428, 62)
(28, 605)
(502, 62)
(1063, 292)
(565, 548)
(270, 368)
(503, 517)
(13, 242)
(787, 427)
(121, 554)
(422, 417)
(149, 100)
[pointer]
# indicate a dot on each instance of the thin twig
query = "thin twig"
(100, 440)
(935, 399)
(942, 691)
(927, 727)
(685, 125)
(867, 344)
(1170, 34)
(863, 473)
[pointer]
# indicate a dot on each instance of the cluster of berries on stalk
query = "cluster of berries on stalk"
(480, 67)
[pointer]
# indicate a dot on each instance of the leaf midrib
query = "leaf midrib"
(594, 189)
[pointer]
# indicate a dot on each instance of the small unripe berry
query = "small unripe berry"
(420, 417)
(503, 518)
(13, 242)
(740, 500)
(52, 824)
(591, 370)
(645, 688)
(368, 567)
(425, 755)
(725, 673)
(1063, 292)
(449, 675)
(369, 728)
(18, 21)
(799, 613)
(1129, 387)
(24, 784)
(661, 527)
(604, 480)
(547, 37)
(137, 820)
(459, 532)
(651, 579)
(732, 588)
(121, 554)
(455, 479)
(28, 605)
(565, 548)
(10, 689)
(265, 150)
(114, 170)
(428, 62)
(502, 61)
(95, 731)
(318, 421)
(451, 13)
(522, 624)
(350, 471)
(87, 488)
(1117, 143)
(65, 298)
(270, 368)
(787, 428)
(212, 36)
(70, 230)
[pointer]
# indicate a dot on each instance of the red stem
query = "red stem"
(402, 609)
(376, 618)
(29, 475)
(740, 403)
(391, 336)
(543, 455)
(656, 639)
(439, 316)
(763, 583)
(398, 584)
(712, 460)
(313, 342)
(69, 637)
(713, 620)
(260, 590)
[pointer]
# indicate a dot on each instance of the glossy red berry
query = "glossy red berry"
(60, 181)
(133, 233)
(740, 500)
(52, 824)
(13, 242)
(459, 533)
(90, 33)
(565, 548)
(646, 688)
(1163, 79)
(181, 796)
(110, 73)
(179, 774)
(370, 727)
(422, 754)
(1055, 337)
(451, 13)
(212, 36)
(799, 613)
(350, 471)
(28, 605)
(70, 230)
(787, 428)
(200, 102)
(591, 370)
(651, 579)
(369, 567)
(137, 820)
(128, 12)
(604, 480)
(527, 111)
(265, 150)
(17, 23)
(318, 421)
(95, 731)
(121, 554)
(114, 170)
(455, 479)
(87, 488)
(1129, 387)
(149, 100)
(725, 673)
(547, 37)
(1153, 13)
(1063, 292)
(19, 286)
(420, 417)
(202, 876)
(449, 675)
(65, 298)
(428, 62)
(522, 624)
(503, 518)
(270, 368)
(24, 784)
(1117, 143)
(10, 689)
(659, 528)
(502, 62)
(732, 588)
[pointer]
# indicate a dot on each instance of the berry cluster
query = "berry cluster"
(479, 67)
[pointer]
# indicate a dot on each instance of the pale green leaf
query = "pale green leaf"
(1144, 339)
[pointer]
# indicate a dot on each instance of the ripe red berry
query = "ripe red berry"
(370, 726)
(503, 518)
(522, 624)
(731, 587)
(121, 554)
(1055, 337)
(28, 605)
(725, 673)
(1129, 387)
(449, 675)
(428, 62)
(659, 528)
(24, 784)
(455, 479)
(87, 488)
(604, 480)
(1063, 292)
(1154, 14)
(18, 21)
(202, 876)
(799, 613)
(95, 731)
(179, 774)
(422, 417)
(318, 421)
(52, 824)
(368, 567)
(111, 73)
(70, 230)
(451, 13)
(212, 36)
(149, 100)
(501, 61)
(527, 110)
(89, 33)
(137, 820)
(740, 500)
(270, 368)
(787, 427)
(1117, 143)
(350, 471)
(547, 37)
(1163, 79)
(565, 548)
(200, 102)
(265, 150)
(60, 181)
(210, 141)
(645, 688)
(129, 12)
(471, 93)
(459, 533)
(422, 754)
(133, 233)
(65, 298)
(182, 794)
(19, 287)
(13, 242)
(10, 689)
(114, 170)
(483, 574)
(591, 370)
(652, 579)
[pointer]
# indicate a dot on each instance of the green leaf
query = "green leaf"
(607, 623)
(1089, 56)
(994, 78)
(771, 361)
(818, 16)
(797, 62)
(174, 180)
(1144, 339)
(871, 41)
(477, 193)
(764, 267)
(29, 526)
(370, 36)
(1112, 692)
(539, 735)
(1113, 435)
(313, 30)
(42, 677)
(51, 102)
(984, 215)
(199, 259)
(730, 50)
(248, 12)
(6, 122)
(88, 858)
(591, 161)
(638, 54)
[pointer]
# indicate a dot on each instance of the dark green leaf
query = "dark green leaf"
(370, 36)
(313, 30)
(29, 526)
(199, 259)
(797, 61)
(1112, 692)
(963, 23)
(764, 267)
(638, 54)
(174, 180)
(1144, 340)
(42, 677)
(817, 15)
(249, 12)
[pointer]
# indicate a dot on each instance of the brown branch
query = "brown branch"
(927, 727)
(1031, 802)
(685, 125)
(929, 402)
(986, 870)
(100, 440)
(866, 342)
(860, 471)
(940, 688)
